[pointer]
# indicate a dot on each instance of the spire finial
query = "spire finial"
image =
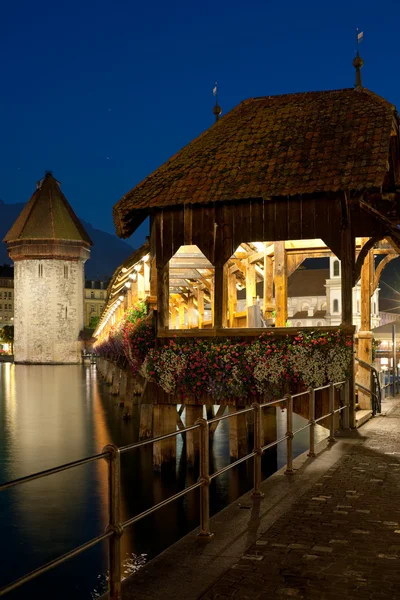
(217, 109)
(358, 61)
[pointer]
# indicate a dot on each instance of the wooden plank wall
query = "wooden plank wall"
(218, 229)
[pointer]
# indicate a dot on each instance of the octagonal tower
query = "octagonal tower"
(49, 247)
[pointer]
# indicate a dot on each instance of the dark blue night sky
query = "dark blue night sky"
(102, 93)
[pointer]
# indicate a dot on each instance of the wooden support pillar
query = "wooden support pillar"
(174, 316)
(123, 385)
(364, 335)
(232, 298)
(146, 421)
(212, 299)
(347, 265)
(109, 373)
(181, 315)
(164, 421)
(163, 297)
(268, 424)
(192, 413)
(146, 278)
(251, 293)
(220, 296)
(191, 314)
(200, 307)
(116, 381)
(153, 277)
(210, 411)
(281, 284)
(237, 434)
(347, 243)
(140, 283)
(220, 413)
(268, 286)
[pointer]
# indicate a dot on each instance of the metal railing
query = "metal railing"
(112, 454)
(375, 392)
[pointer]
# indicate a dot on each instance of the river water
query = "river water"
(51, 415)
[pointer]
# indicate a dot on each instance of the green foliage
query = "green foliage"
(94, 322)
(137, 312)
(375, 346)
(7, 334)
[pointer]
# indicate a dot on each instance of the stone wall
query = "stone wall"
(48, 311)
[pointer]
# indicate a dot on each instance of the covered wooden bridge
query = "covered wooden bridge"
(275, 181)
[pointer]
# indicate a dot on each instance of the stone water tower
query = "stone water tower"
(49, 247)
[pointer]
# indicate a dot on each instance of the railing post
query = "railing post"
(289, 434)
(114, 525)
(204, 533)
(346, 412)
(258, 451)
(311, 395)
(332, 413)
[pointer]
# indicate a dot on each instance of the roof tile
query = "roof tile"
(273, 146)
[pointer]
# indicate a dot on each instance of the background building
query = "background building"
(95, 301)
(6, 295)
(314, 298)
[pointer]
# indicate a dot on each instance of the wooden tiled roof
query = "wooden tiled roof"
(47, 216)
(273, 146)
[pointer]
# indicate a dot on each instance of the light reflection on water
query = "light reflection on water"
(50, 415)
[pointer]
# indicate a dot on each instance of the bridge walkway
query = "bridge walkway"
(330, 531)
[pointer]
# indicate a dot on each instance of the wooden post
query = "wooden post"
(146, 278)
(232, 298)
(153, 277)
(347, 264)
(365, 335)
(164, 422)
(366, 285)
(181, 315)
(146, 421)
(200, 307)
(163, 297)
(220, 296)
(347, 247)
(192, 413)
(140, 282)
(190, 311)
(116, 381)
(268, 286)
(268, 424)
(280, 284)
(251, 292)
(134, 292)
(212, 297)
(237, 434)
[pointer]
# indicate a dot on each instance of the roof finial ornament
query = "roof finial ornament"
(358, 61)
(217, 109)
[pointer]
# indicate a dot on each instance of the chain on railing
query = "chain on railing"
(112, 454)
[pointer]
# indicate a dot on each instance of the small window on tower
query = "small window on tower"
(40, 270)
(66, 312)
(336, 306)
(65, 271)
(92, 294)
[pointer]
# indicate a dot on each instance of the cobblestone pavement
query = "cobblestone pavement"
(341, 540)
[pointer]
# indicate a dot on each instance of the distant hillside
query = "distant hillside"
(108, 251)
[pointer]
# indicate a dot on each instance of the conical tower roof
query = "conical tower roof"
(48, 216)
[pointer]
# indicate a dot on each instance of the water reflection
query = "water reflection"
(56, 414)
